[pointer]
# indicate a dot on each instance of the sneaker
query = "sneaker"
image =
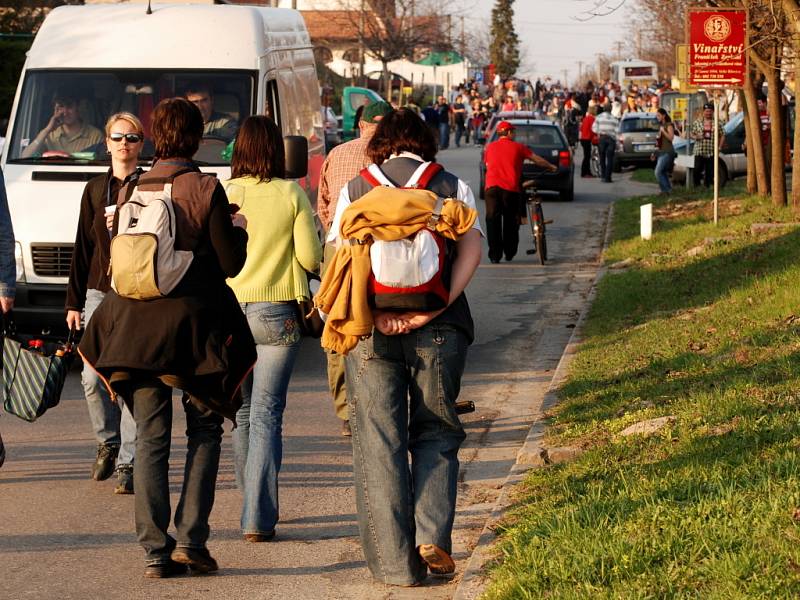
(103, 465)
(124, 480)
(2, 451)
(198, 559)
(439, 562)
(346, 431)
(164, 570)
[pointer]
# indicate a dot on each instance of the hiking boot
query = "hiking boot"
(198, 559)
(439, 562)
(103, 465)
(164, 570)
(124, 480)
(2, 451)
(346, 431)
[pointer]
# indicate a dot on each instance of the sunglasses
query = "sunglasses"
(133, 138)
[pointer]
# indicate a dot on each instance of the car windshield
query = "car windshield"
(638, 124)
(734, 122)
(539, 136)
(79, 138)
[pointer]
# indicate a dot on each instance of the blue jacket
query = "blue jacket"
(8, 267)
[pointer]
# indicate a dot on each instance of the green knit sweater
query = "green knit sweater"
(283, 242)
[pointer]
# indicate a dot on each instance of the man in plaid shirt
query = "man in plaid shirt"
(703, 136)
(344, 163)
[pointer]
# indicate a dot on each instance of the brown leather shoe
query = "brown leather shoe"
(164, 570)
(199, 560)
(256, 538)
(438, 561)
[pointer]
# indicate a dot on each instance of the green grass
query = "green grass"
(644, 175)
(705, 508)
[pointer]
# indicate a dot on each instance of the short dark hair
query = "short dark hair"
(197, 87)
(177, 128)
(65, 97)
(402, 130)
(258, 150)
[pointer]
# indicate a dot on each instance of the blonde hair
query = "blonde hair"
(124, 116)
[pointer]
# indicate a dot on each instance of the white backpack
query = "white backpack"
(144, 262)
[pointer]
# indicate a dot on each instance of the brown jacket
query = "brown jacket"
(196, 338)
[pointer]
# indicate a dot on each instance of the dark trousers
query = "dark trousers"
(587, 158)
(459, 134)
(608, 146)
(704, 170)
(152, 411)
(502, 222)
(444, 136)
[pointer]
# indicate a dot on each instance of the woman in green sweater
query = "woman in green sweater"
(283, 245)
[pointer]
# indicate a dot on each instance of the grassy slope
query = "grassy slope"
(706, 508)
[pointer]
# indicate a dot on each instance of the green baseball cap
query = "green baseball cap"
(376, 111)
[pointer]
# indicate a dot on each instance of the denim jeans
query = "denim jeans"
(257, 442)
(401, 391)
(663, 167)
(112, 422)
(444, 136)
(152, 409)
(608, 147)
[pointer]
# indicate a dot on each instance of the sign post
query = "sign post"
(717, 60)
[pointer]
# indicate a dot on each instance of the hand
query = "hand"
(110, 221)
(74, 320)
(388, 323)
(553, 168)
(6, 303)
(415, 319)
(239, 221)
(55, 120)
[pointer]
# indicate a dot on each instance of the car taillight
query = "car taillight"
(564, 158)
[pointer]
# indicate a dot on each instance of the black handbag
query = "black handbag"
(34, 371)
(308, 318)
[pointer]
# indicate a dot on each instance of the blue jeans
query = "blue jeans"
(607, 147)
(444, 136)
(663, 168)
(257, 440)
(112, 422)
(401, 391)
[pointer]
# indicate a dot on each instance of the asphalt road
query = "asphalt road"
(64, 536)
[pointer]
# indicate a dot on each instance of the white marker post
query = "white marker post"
(646, 217)
(716, 158)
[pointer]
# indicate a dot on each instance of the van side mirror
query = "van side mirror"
(296, 149)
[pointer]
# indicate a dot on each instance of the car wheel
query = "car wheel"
(567, 195)
(617, 166)
(723, 173)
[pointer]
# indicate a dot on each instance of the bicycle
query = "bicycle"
(537, 221)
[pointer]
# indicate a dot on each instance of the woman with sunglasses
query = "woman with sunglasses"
(113, 424)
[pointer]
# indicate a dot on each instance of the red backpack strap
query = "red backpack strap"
(429, 173)
(369, 178)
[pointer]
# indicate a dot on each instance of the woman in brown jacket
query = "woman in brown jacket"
(196, 339)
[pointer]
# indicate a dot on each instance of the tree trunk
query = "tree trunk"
(759, 159)
(752, 184)
(796, 157)
(777, 135)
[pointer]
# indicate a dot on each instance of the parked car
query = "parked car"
(548, 141)
(733, 160)
(488, 131)
(636, 139)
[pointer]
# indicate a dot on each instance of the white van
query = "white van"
(116, 57)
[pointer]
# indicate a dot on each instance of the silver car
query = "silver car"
(636, 139)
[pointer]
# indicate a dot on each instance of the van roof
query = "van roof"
(173, 36)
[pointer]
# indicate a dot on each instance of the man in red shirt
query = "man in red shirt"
(504, 159)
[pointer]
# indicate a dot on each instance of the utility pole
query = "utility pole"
(638, 43)
(463, 39)
(564, 81)
(580, 72)
(361, 45)
(619, 50)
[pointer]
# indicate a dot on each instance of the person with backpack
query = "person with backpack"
(404, 379)
(282, 247)
(89, 281)
(171, 321)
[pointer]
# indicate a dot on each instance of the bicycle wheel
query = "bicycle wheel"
(540, 237)
(594, 162)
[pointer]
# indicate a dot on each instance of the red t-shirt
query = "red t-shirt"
(504, 160)
(586, 127)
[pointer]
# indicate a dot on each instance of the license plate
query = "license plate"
(644, 147)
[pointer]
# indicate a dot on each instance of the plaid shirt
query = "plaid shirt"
(705, 145)
(343, 163)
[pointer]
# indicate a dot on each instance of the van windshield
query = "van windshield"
(62, 115)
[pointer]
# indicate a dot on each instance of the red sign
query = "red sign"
(717, 55)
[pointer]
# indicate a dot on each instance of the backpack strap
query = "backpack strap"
(168, 179)
(423, 175)
(375, 177)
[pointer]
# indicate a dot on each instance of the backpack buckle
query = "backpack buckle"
(436, 213)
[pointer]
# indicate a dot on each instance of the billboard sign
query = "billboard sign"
(717, 48)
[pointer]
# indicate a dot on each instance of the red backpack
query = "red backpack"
(408, 274)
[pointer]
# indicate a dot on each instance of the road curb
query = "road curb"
(529, 456)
